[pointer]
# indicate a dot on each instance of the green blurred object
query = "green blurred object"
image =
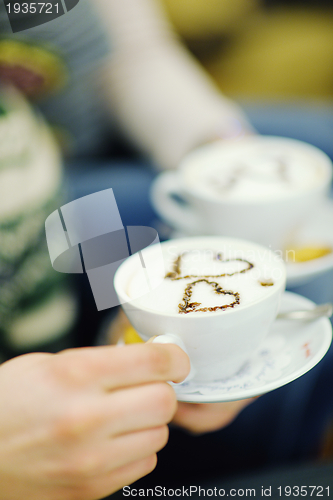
(37, 307)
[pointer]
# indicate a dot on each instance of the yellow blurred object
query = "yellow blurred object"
(306, 253)
(131, 336)
(207, 18)
(257, 52)
(280, 53)
(35, 70)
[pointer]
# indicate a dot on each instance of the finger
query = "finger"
(106, 484)
(100, 416)
(112, 367)
(109, 454)
(202, 418)
(141, 443)
(138, 408)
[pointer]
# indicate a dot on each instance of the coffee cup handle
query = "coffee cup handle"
(178, 215)
(170, 338)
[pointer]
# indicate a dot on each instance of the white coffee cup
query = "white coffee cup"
(220, 342)
(241, 189)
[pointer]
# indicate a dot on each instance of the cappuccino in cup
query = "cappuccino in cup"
(259, 188)
(215, 297)
(260, 171)
(205, 280)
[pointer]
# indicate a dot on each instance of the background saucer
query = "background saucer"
(290, 350)
(317, 230)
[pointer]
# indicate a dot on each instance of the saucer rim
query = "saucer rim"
(299, 273)
(280, 382)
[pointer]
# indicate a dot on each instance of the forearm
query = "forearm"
(163, 99)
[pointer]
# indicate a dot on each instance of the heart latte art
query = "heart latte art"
(262, 169)
(205, 280)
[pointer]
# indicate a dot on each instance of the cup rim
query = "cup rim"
(123, 270)
(325, 161)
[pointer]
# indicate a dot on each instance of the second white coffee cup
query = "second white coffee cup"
(258, 188)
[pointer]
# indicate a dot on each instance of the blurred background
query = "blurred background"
(267, 55)
(271, 49)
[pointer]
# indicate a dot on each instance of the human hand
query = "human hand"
(195, 418)
(81, 424)
(202, 418)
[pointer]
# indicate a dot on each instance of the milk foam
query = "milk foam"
(260, 170)
(206, 280)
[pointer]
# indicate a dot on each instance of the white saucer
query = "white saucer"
(291, 349)
(318, 229)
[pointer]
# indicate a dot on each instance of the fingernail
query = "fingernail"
(151, 339)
